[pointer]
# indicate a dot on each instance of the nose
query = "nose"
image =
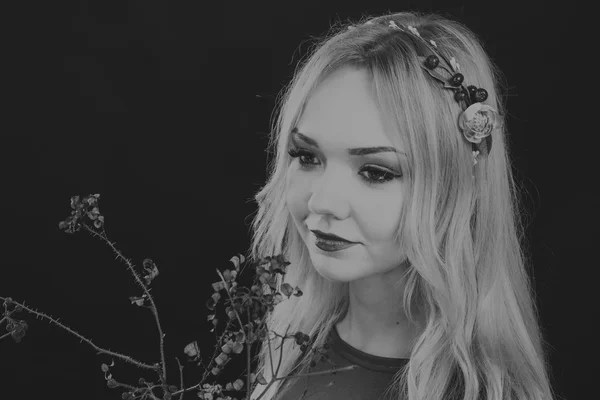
(328, 198)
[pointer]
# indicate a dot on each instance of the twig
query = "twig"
(99, 349)
(163, 377)
(180, 377)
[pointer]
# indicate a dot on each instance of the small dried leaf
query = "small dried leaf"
(287, 289)
(227, 347)
(221, 358)
(217, 286)
(238, 348)
(210, 304)
(261, 379)
(192, 349)
(227, 275)
(138, 300)
(435, 74)
(238, 384)
(236, 261)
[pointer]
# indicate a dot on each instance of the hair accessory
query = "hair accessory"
(477, 121)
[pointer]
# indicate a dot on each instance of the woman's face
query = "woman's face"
(332, 192)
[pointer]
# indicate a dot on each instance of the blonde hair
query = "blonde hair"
(461, 233)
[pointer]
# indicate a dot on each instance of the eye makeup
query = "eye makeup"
(375, 175)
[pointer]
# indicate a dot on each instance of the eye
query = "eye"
(379, 175)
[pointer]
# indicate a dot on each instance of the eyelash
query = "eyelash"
(388, 175)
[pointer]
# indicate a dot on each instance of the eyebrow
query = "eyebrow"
(357, 151)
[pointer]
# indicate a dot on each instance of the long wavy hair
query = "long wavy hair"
(461, 232)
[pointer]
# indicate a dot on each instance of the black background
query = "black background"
(163, 109)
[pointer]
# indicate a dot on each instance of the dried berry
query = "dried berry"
(431, 62)
(472, 89)
(8, 302)
(481, 95)
(457, 79)
(460, 95)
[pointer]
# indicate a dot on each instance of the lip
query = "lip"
(331, 246)
(330, 237)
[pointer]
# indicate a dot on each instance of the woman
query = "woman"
(427, 295)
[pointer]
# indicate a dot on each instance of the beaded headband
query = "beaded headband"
(477, 121)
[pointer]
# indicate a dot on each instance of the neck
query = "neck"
(375, 322)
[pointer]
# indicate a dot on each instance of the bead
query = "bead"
(457, 79)
(431, 62)
(460, 95)
(481, 95)
(472, 89)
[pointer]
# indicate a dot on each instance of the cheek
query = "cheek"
(384, 250)
(294, 203)
(383, 220)
(386, 255)
(294, 194)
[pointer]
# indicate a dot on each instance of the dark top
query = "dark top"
(366, 382)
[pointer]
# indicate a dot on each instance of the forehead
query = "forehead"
(343, 109)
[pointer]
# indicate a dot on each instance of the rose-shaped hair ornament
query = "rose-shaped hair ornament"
(478, 121)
